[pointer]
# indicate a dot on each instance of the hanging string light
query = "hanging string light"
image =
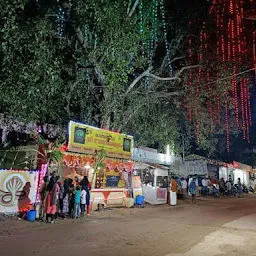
(242, 107)
(60, 20)
(153, 34)
(232, 44)
(227, 127)
(141, 27)
(190, 76)
(167, 50)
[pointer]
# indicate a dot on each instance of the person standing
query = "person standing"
(222, 186)
(43, 193)
(204, 187)
(87, 185)
(228, 187)
(83, 201)
(77, 202)
(51, 199)
(173, 191)
(184, 186)
(65, 204)
(192, 190)
(240, 188)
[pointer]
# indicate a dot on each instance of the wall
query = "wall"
(198, 167)
(235, 173)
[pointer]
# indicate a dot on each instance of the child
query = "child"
(83, 201)
(77, 202)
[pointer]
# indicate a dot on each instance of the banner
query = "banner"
(136, 186)
(161, 194)
(18, 189)
(87, 139)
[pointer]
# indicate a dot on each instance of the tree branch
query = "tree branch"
(137, 80)
(136, 3)
(129, 7)
(148, 74)
(167, 94)
(128, 118)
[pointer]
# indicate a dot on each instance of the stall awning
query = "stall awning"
(141, 166)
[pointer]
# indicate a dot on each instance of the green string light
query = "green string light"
(153, 41)
(141, 26)
(165, 36)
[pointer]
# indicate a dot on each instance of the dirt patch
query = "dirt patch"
(185, 230)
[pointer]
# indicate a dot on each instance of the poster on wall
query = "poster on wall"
(161, 194)
(196, 167)
(136, 186)
(88, 139)
(18, 189)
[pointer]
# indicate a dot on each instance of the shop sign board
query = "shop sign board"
(88, 139)
(136, 186)
(146, 156)
(161, 194)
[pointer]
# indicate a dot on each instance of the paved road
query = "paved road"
(213, 227)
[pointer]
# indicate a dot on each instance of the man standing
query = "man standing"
(173, 191)
(222, 186)
(240, 188)
(184, 186)
(205, 186)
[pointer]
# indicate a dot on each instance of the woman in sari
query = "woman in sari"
(51, 200)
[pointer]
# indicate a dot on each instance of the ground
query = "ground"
(212, 227)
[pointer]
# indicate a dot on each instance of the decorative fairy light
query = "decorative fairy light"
(141, 26)
(232, 51)
(249, 106)
(227, 127)
(162, 10)
(242, 107)
(190, 75)
(153, 39)
(60, 21)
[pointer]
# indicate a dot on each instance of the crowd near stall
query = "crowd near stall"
(98, 169)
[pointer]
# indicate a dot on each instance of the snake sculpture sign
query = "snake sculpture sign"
(18, 190)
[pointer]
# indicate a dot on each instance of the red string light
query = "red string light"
(242, 107)
(227, 126)
(232, 46)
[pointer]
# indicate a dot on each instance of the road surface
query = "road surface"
(212, 227)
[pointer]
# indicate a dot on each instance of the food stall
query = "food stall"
(105, 157)
(155, 186)
(153, 168)
(154, 181)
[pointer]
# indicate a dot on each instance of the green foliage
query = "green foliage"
(52, 151)
(99, 160)
(85, 74)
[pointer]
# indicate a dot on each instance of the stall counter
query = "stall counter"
(109, 197)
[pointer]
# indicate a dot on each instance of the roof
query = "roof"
(194, 157)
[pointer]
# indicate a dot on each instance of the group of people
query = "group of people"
(184, 187)
(62, 199)
(204, 186)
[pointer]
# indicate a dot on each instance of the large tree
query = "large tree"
(119, 65)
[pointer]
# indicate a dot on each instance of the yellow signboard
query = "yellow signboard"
(87, 139)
